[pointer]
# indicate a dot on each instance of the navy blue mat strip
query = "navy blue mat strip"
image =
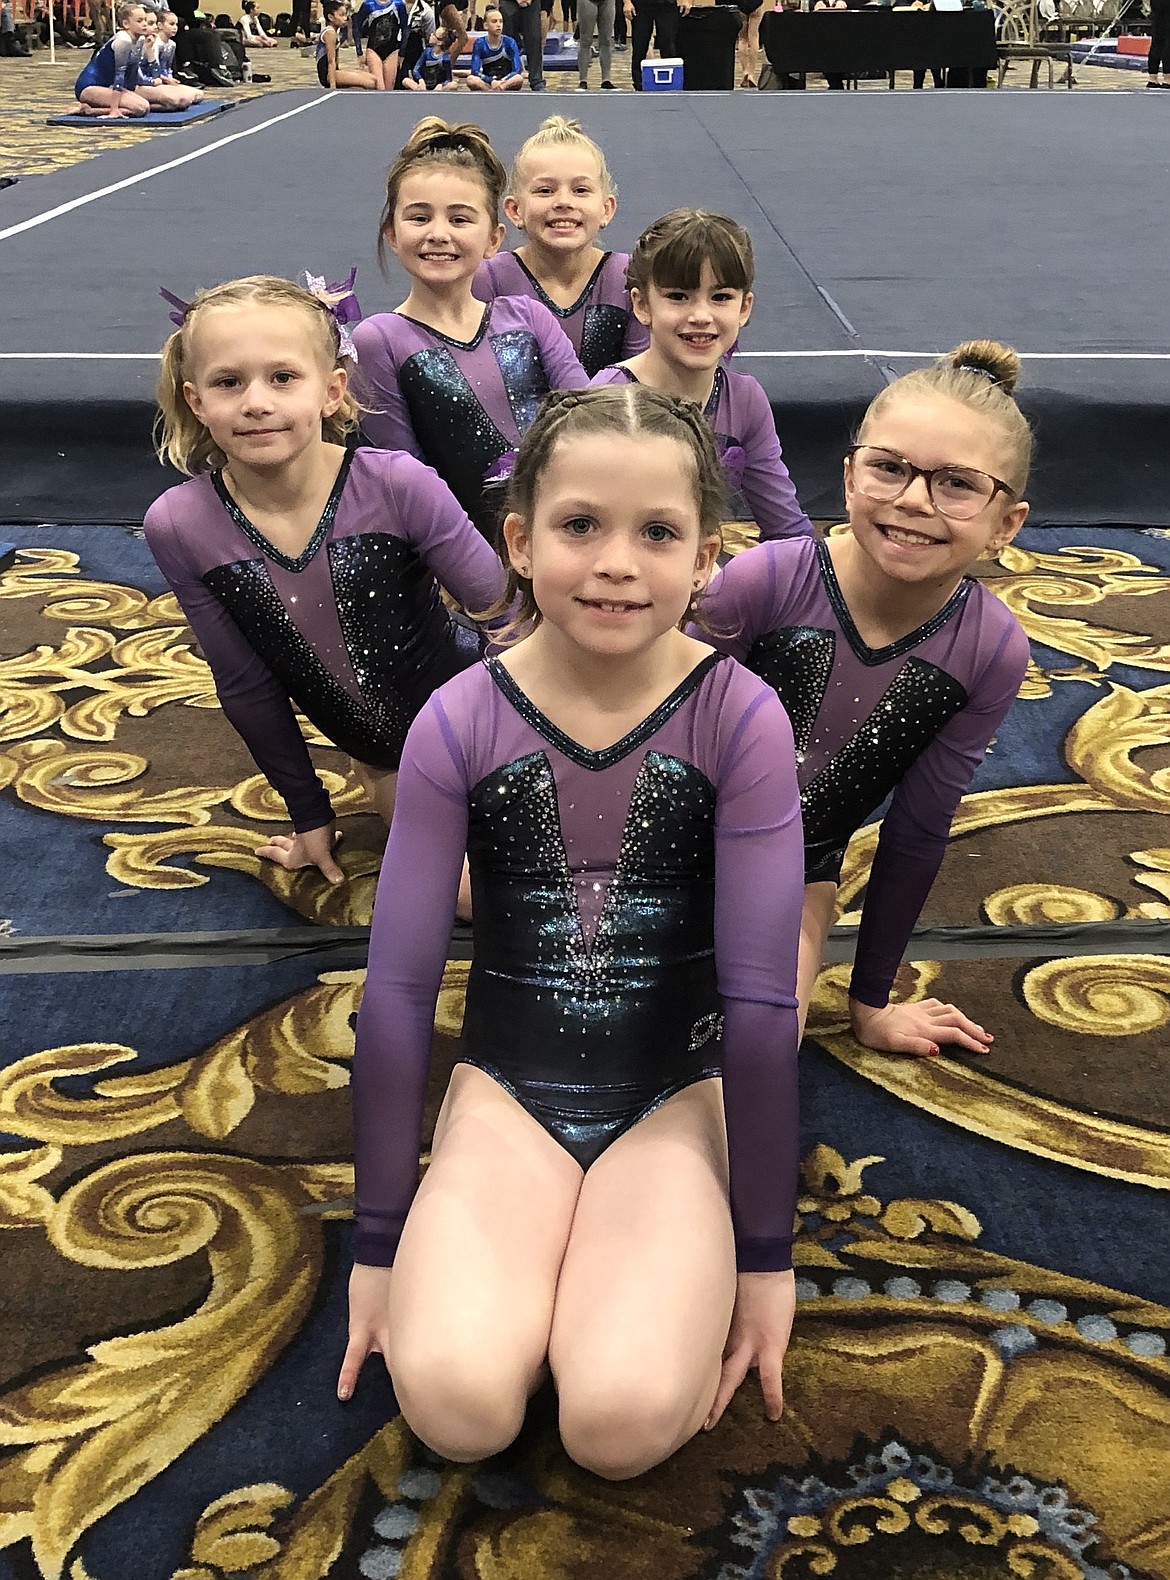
(349, 945)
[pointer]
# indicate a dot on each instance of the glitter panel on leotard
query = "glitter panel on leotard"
(590, 1037)
(412, 645)
(918, 702)
(452, 428)
(398, 658)
(518, 355)
(796, 663)
(320, 531)
(603, 336)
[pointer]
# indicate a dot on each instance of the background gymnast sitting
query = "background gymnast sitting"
(107, 82)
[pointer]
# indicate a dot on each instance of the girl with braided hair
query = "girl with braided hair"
(612, 1181)
(896, 668)
(450, 380)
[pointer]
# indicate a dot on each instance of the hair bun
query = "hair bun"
(994, 361)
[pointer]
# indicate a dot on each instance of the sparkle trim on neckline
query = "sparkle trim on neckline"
(546, 300)
(450, 340)
(872, 656)
(254, 535)
(609, 755)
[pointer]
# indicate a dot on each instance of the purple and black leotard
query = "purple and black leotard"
(745, 432)
(600, 323)
(461, 405)
(914, 718)
(637, 915)
(353, 630)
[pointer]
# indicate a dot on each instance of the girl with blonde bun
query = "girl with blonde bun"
(895, 666)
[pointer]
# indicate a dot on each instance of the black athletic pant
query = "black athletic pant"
(301, 17)
(652, 16)
(522, 22)
(1159, 59)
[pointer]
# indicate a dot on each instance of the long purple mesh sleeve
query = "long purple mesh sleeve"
(387, 421)
(436, 524)
(253, 700)
(759, 890)
(413, 911)
(767, 486)
(914, 833)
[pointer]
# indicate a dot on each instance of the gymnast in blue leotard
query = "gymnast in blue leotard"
(106, 86)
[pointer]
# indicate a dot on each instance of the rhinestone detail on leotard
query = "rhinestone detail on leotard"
(320, 531)
(608, 755)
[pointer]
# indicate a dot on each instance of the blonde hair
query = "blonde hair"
(435, 144)
(559, 131)
(671, 253)
(981, 375)
(631, 410)
(180, 437)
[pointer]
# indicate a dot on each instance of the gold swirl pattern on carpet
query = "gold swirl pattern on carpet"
(998, 1413)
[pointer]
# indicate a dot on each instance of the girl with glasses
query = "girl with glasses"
(896, 668)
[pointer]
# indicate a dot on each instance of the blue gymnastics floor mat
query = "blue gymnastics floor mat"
(197, 112)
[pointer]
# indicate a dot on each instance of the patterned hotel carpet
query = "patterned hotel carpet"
(978, 1384)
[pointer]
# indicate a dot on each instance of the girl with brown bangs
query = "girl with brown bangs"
(690, 279)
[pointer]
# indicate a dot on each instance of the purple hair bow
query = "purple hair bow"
(338, 297)
(182, 308)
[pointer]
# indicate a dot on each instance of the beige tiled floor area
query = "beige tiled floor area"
(33, 89)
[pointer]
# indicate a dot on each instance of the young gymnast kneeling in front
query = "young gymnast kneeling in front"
(309, 572)
(896, 668)
(628, 801)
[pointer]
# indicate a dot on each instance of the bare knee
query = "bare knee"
(620, 1428)
(461, 1407)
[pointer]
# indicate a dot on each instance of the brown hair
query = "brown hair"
(180, 437)
(559, 131)
(631, 410)
(981, 375)
(435, 144)
(671, 253)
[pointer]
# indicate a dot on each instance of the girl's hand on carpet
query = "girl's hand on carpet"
(761, 1325)
(916, 1029)
(314, 849)
(369, 1323)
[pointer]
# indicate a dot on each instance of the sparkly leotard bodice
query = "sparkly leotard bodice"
(600, 323)
(745, 432)
(461, 405)
(628, 903)
(914, 718)
(353, 629)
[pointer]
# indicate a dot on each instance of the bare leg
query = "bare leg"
(380, 785)
(820, 907)
(475, 1277)
(647, 1290)
(749, 42)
